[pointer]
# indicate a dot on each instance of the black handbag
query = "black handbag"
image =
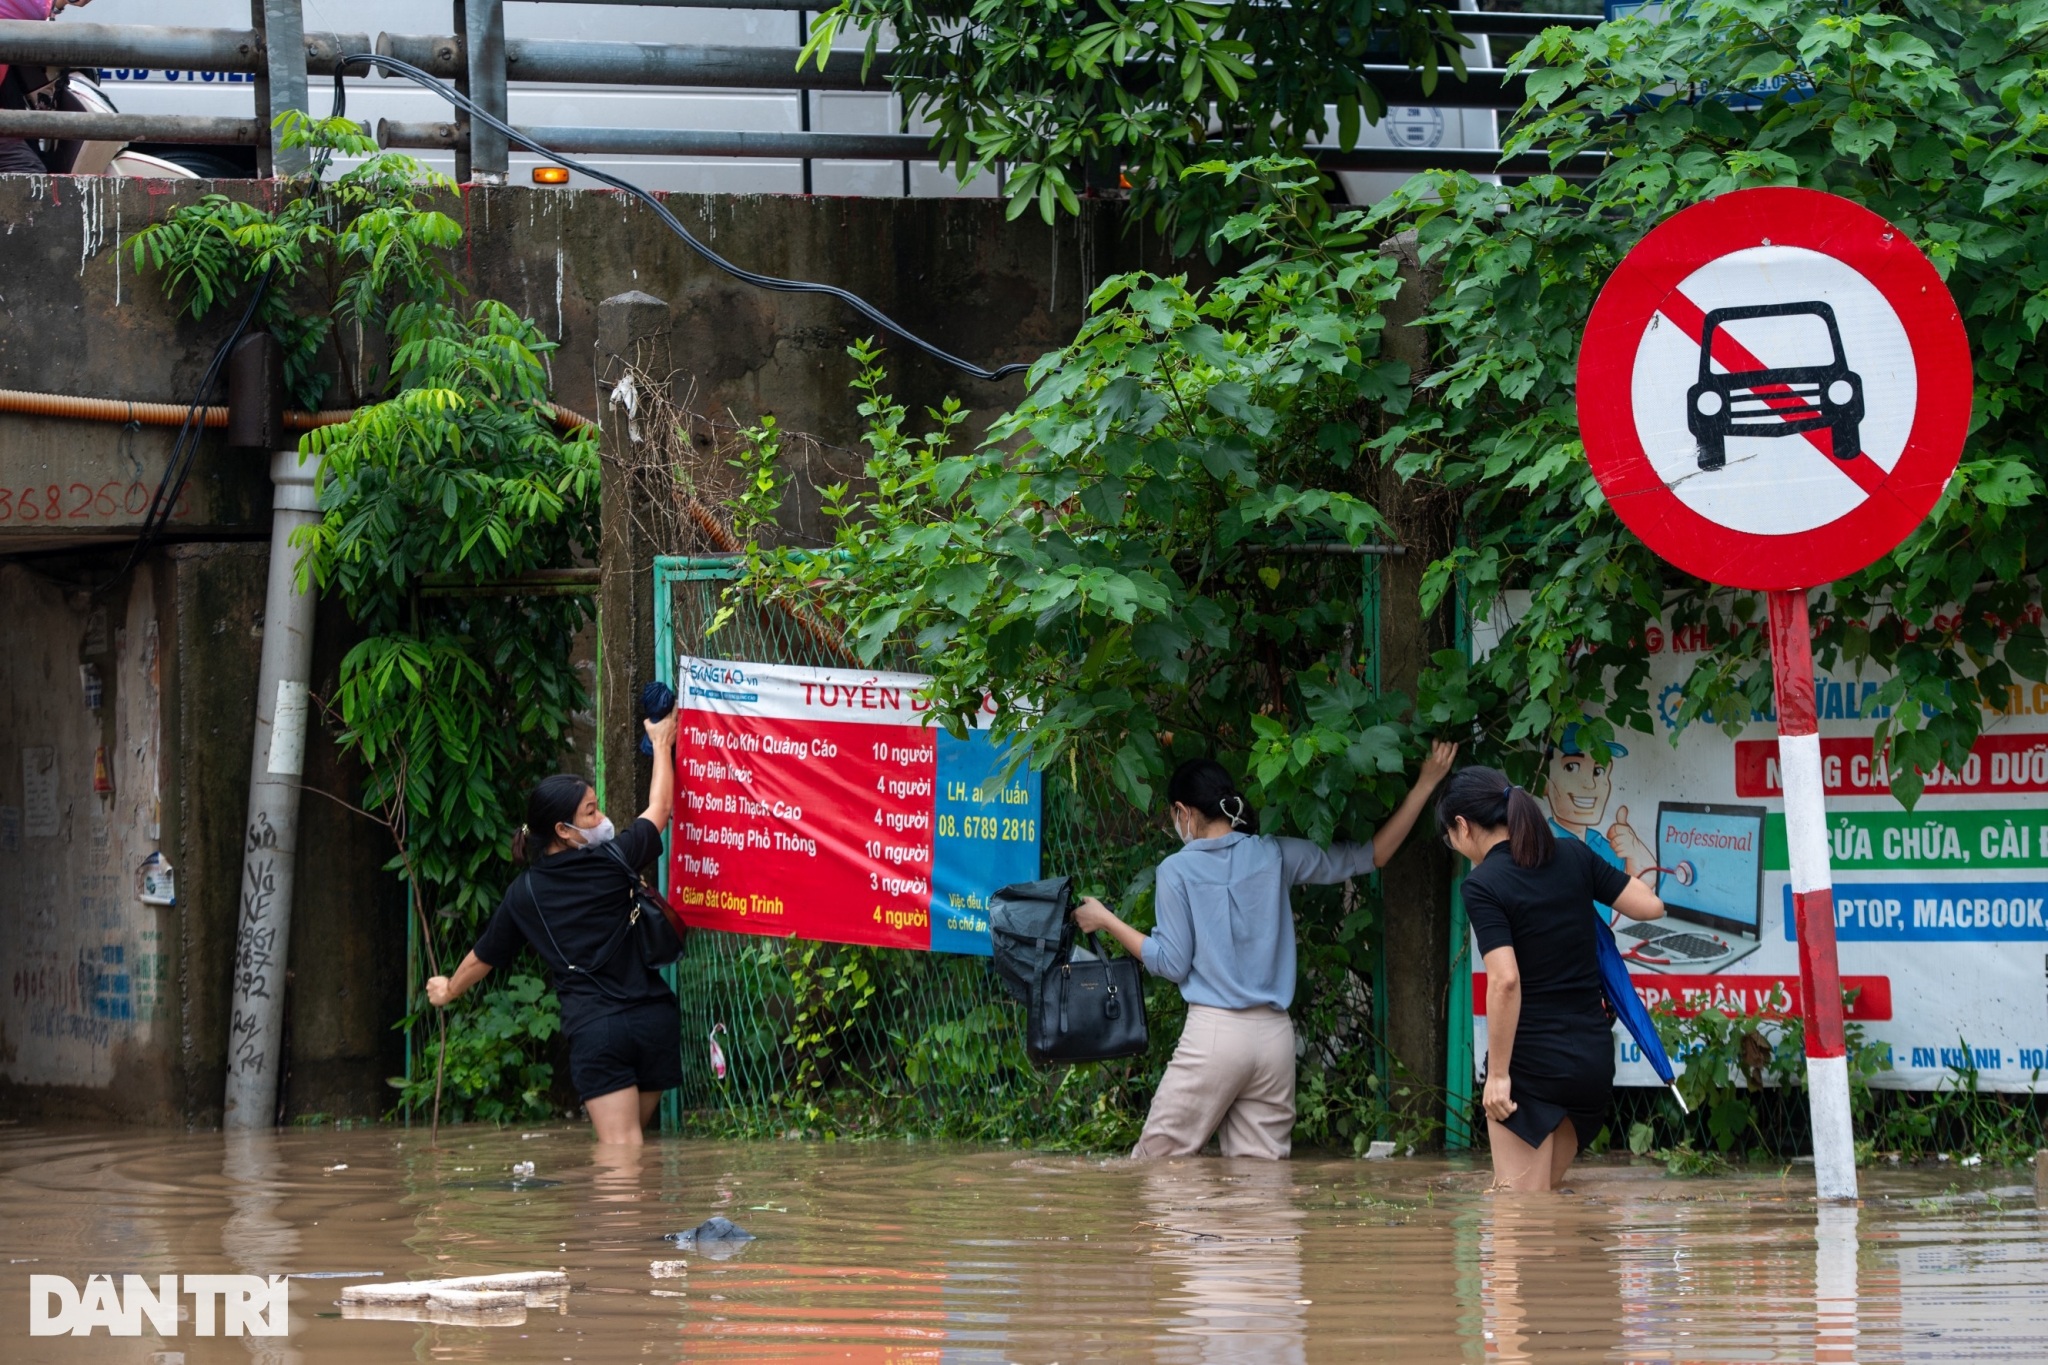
(1087, 1011)
(658, 927)
(653, 926)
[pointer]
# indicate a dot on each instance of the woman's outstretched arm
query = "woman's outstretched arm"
(661, 791)
(1388, 838)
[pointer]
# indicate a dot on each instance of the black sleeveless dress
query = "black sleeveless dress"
(1563, 1063)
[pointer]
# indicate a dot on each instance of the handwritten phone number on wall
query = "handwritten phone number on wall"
(1009, 829)
(82, 502)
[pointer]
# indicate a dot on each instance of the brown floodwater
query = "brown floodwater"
(919, 1253)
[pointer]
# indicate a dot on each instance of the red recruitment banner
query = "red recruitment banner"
(816, 803)
(1998, 763)
(804, 804)
(1769, 996)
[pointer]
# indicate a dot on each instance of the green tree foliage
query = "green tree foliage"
(452, 466)
(1101, 564)
(1931, 114)
(1094, 553)
(1073, 94)
(1109, 566)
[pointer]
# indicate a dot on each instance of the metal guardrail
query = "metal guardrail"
(571, 62)
(480, 61)
(897, 147)
(72, 127)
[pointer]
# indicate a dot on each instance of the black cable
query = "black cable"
(185, 450)
(477, 115)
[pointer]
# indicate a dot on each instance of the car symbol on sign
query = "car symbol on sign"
(1782, 400)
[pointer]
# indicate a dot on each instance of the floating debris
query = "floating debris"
(466, 1301)
(334, 1274)
(669, 1270)
(717, 1238)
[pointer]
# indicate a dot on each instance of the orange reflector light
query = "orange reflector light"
(550, 175)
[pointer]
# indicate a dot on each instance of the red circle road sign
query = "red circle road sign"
(1774, 388)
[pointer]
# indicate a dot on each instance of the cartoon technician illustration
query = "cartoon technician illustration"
(1711, 881)
(1579, 788)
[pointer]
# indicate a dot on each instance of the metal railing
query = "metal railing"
(481, 62)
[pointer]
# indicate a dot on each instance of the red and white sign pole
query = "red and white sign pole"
(1813, 895)
(1774, 389)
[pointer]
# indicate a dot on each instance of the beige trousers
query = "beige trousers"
(1232, 1074)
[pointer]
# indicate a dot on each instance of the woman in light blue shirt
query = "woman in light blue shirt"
(1225, 936)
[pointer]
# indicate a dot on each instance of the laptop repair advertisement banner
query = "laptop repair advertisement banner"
(1941, 912)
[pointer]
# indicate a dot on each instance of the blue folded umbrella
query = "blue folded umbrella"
(1628, 1006)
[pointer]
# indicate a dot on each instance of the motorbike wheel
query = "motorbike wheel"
(208, 163)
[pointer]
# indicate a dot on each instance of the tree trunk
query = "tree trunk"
(1416, 884)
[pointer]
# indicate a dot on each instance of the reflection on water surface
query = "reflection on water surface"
(924, 1254)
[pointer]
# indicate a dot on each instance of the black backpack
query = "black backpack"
(1028, 925)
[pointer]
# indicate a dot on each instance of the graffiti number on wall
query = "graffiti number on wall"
(113, 500)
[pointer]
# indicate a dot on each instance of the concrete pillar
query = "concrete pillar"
(270, 837)
(1417, 883)
(632, 331)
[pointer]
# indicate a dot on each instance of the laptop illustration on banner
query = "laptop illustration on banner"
(1712, 883)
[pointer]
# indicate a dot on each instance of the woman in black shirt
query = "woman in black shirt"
(620, 1017)
(1549, 1038)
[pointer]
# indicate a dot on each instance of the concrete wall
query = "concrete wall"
(87, 964)
(117, 1010)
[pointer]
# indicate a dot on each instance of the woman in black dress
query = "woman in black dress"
(1549, 1038)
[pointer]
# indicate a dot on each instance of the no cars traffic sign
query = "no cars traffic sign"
(1774, 388)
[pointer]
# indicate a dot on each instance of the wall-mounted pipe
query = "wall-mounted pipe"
(125, 410)
(270, 836)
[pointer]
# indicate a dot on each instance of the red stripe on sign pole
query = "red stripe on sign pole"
(1815, 911)
(1792, 663)
(1734, 357)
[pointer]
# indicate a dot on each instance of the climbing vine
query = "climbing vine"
(453, 472)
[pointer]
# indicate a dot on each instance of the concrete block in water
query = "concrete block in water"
(469, 1300)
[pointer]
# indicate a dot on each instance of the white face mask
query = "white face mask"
(597, 835)
(1180, 832)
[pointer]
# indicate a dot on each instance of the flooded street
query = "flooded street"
(917, 1253)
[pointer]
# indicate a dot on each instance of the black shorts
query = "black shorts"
(638, 1045)
(1563, 1069)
